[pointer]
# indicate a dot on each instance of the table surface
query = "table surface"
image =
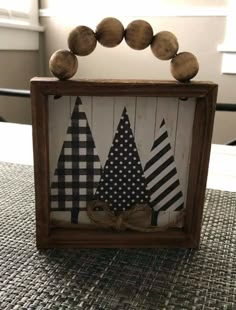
(16, 147)
(121, 279)
(16, 143)
(134, 279)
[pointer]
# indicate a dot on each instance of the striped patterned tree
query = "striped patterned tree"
(161, 176)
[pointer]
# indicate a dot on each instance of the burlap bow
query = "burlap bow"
(137, 218)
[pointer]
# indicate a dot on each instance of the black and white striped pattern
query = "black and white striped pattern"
(78, 169)
(161, 176)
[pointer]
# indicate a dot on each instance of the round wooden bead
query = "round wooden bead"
(110, 32)
(63, 64)
(138, 34)
(184, 66)
(82, 41)
(164, 45)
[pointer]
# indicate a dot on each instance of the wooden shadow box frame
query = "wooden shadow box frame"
(205, 94)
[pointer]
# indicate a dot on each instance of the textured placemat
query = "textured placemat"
(134, 279)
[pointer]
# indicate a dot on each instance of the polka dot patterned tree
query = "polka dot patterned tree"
(123, 183)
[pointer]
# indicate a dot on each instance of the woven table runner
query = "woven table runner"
(121, 279)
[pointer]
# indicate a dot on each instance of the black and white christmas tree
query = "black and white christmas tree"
(122, 184)
(78, 169)
(161, 176)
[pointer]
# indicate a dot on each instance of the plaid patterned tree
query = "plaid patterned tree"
(122, 183)
(161, 175)
(78, 169)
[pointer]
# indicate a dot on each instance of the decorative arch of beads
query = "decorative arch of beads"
(191, 71)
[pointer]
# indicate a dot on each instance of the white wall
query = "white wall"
(200, 35)
(17, 68)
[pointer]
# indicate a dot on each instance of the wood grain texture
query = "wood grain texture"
(205, 94)
(82, 41)
(167, 109)
(41, 163)
(145, 123)
(108, 239)
(53, 86)
(183, 141)
(63, 64)
(86, 107)
(164, 45)
(199, 162)
(102, 125)
(166, 217)
(110, 32)
(119, 104)
(138, 34)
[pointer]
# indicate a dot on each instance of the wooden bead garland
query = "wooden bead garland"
(164, 45)
(82, 41)
(184, 66)
(138, 35)
(110, 32)
(63, 64)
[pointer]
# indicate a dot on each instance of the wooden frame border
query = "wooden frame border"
(205, 94)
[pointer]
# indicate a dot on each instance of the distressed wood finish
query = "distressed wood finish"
(53, 86)
(102, 126)
(200, 153)
(183, 139)
(205, 97)
(167, 108)
(41, 163)
(130, 104)
(145, 114)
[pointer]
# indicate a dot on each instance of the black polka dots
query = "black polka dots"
(123, 183)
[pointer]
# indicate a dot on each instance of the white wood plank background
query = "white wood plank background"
(167, 108)
(183, 140)
(145, 126)
(59, 112)
(103, 125)
(145, 114)
(119, 104)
